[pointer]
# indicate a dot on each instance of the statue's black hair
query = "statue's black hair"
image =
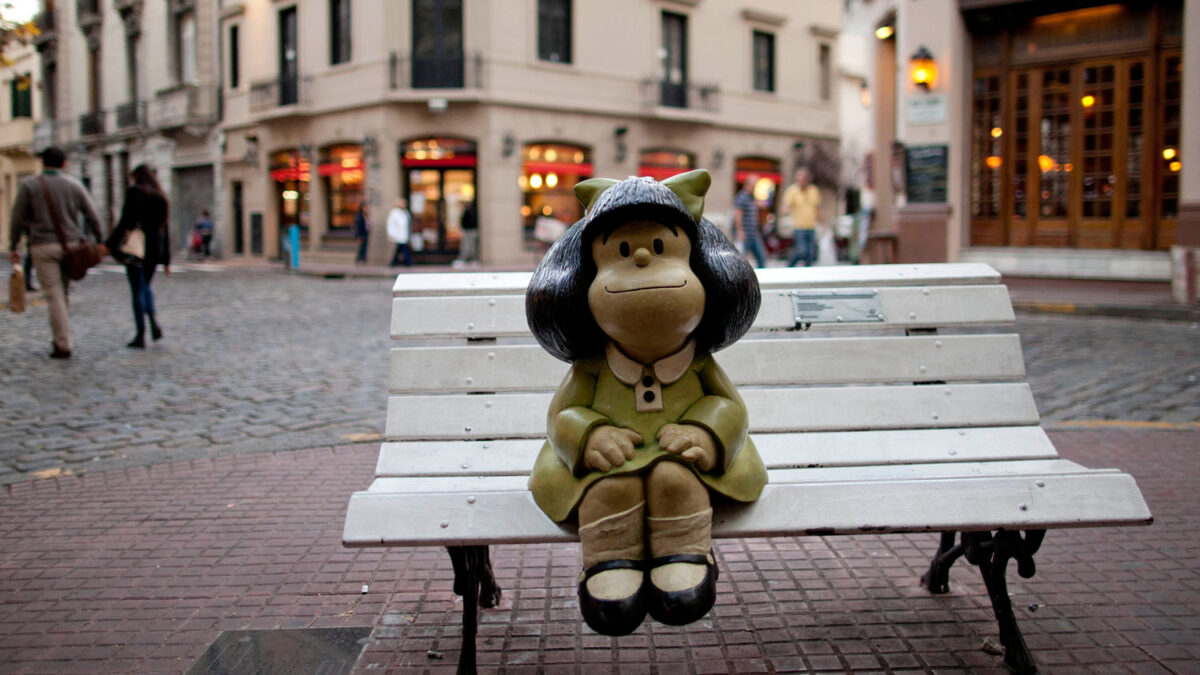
(556, 303)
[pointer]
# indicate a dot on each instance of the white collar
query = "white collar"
(667, 369)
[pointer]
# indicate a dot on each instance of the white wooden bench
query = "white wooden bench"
(883, 399)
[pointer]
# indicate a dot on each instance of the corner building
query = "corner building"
(330, 106)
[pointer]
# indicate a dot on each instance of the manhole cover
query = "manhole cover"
(315, 651)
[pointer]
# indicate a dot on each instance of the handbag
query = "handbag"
(77, 259)
(134, 244)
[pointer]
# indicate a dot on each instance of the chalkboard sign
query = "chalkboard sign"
(925, 173)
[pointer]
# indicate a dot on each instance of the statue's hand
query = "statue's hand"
(608, 446)
(691, 443)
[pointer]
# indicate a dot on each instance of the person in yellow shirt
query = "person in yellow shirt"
(802, 200)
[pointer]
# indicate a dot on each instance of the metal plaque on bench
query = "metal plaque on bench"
(852, 305)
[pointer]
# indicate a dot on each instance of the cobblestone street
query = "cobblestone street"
(255, 360)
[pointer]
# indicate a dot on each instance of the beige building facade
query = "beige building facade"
(1048, 139)
(19, 98)
(127, 82)
(333, 107)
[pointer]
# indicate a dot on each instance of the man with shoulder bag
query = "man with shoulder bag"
(47, 210)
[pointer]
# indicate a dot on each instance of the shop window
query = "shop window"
(662, 163)
(344, 176)
(764, 61)
(291, 172)
(548, 177)
(554, 30)
(439, 181)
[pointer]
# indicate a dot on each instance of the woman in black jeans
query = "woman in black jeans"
(145, 209)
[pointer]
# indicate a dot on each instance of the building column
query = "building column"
(1185, 254)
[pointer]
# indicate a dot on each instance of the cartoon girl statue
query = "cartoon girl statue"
(636, 296)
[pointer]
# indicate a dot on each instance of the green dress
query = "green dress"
(696, 392)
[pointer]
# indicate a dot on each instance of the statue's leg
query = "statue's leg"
(612, 538)
(683, 572)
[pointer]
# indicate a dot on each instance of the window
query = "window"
(21, 96)
(554, 30)
(339, 31)
(234, 58)
(49, 96)
(825, 62)
(132, 59)
(93, 70)
(674, 60)
(289, 64)
(185, 46)
(437, 44)
(764, 61)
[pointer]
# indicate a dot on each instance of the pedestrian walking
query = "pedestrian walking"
(204, 226)
(745, 222)
(362, 231)
(32, 218)
(802, 201)
(399, 229)
(469, 250)
(140, 242)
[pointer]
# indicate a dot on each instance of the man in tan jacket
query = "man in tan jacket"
(31, 217)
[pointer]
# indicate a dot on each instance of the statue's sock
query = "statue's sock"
(620, 536)
(690, 534)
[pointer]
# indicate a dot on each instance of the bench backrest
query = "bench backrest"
(886, 347)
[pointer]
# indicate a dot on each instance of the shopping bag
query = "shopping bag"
(16, 290)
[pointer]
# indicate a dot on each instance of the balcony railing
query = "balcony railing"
(416, 72)
(47, 27)
(132, 114)
(704, 97)
(91, 124)
(280, 91)
(87, 12)
(45, 134)
(183, 106)
(16, 133)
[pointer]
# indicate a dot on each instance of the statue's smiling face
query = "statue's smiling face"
(645, 295)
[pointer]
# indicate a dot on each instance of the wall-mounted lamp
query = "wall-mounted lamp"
(508, 145)
(619, 140)
(718, 158)
(864, 95)
(885, 31)
(923, 68)
(251, 155)
(370, 147)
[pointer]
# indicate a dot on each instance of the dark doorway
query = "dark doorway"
(289, 66)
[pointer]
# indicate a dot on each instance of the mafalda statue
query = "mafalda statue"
(636, 296)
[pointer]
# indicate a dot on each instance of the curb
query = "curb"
(1145, 312)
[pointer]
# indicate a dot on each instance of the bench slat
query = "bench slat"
(863, 360)
(489, 316)
(845, 448)
(480, 283)
(522, 415)
(965, 504)
(466, 483)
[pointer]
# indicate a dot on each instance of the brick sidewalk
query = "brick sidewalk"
(139, 571)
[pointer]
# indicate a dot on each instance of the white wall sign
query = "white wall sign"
(927, 109)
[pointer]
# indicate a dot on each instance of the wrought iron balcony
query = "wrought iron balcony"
(687, 95)
(45, 134)
(416, 72)
(87, 12)
(91, 124)
(131, 115)
(184, 106)
(279, 91)
(47, 26)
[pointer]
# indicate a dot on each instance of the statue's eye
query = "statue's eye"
(624, 249)
(658, 247)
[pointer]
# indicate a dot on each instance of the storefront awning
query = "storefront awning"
(460, 162)
(584, 170)
(774, 177)
(660, 172)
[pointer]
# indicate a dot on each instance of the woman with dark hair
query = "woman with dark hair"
(140, 242)
(637, 295)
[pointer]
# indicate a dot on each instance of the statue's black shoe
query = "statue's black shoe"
(679, 608)
(611, 617)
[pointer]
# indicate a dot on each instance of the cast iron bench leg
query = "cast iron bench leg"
(937, 579)
(991, 555)
(474, 581)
